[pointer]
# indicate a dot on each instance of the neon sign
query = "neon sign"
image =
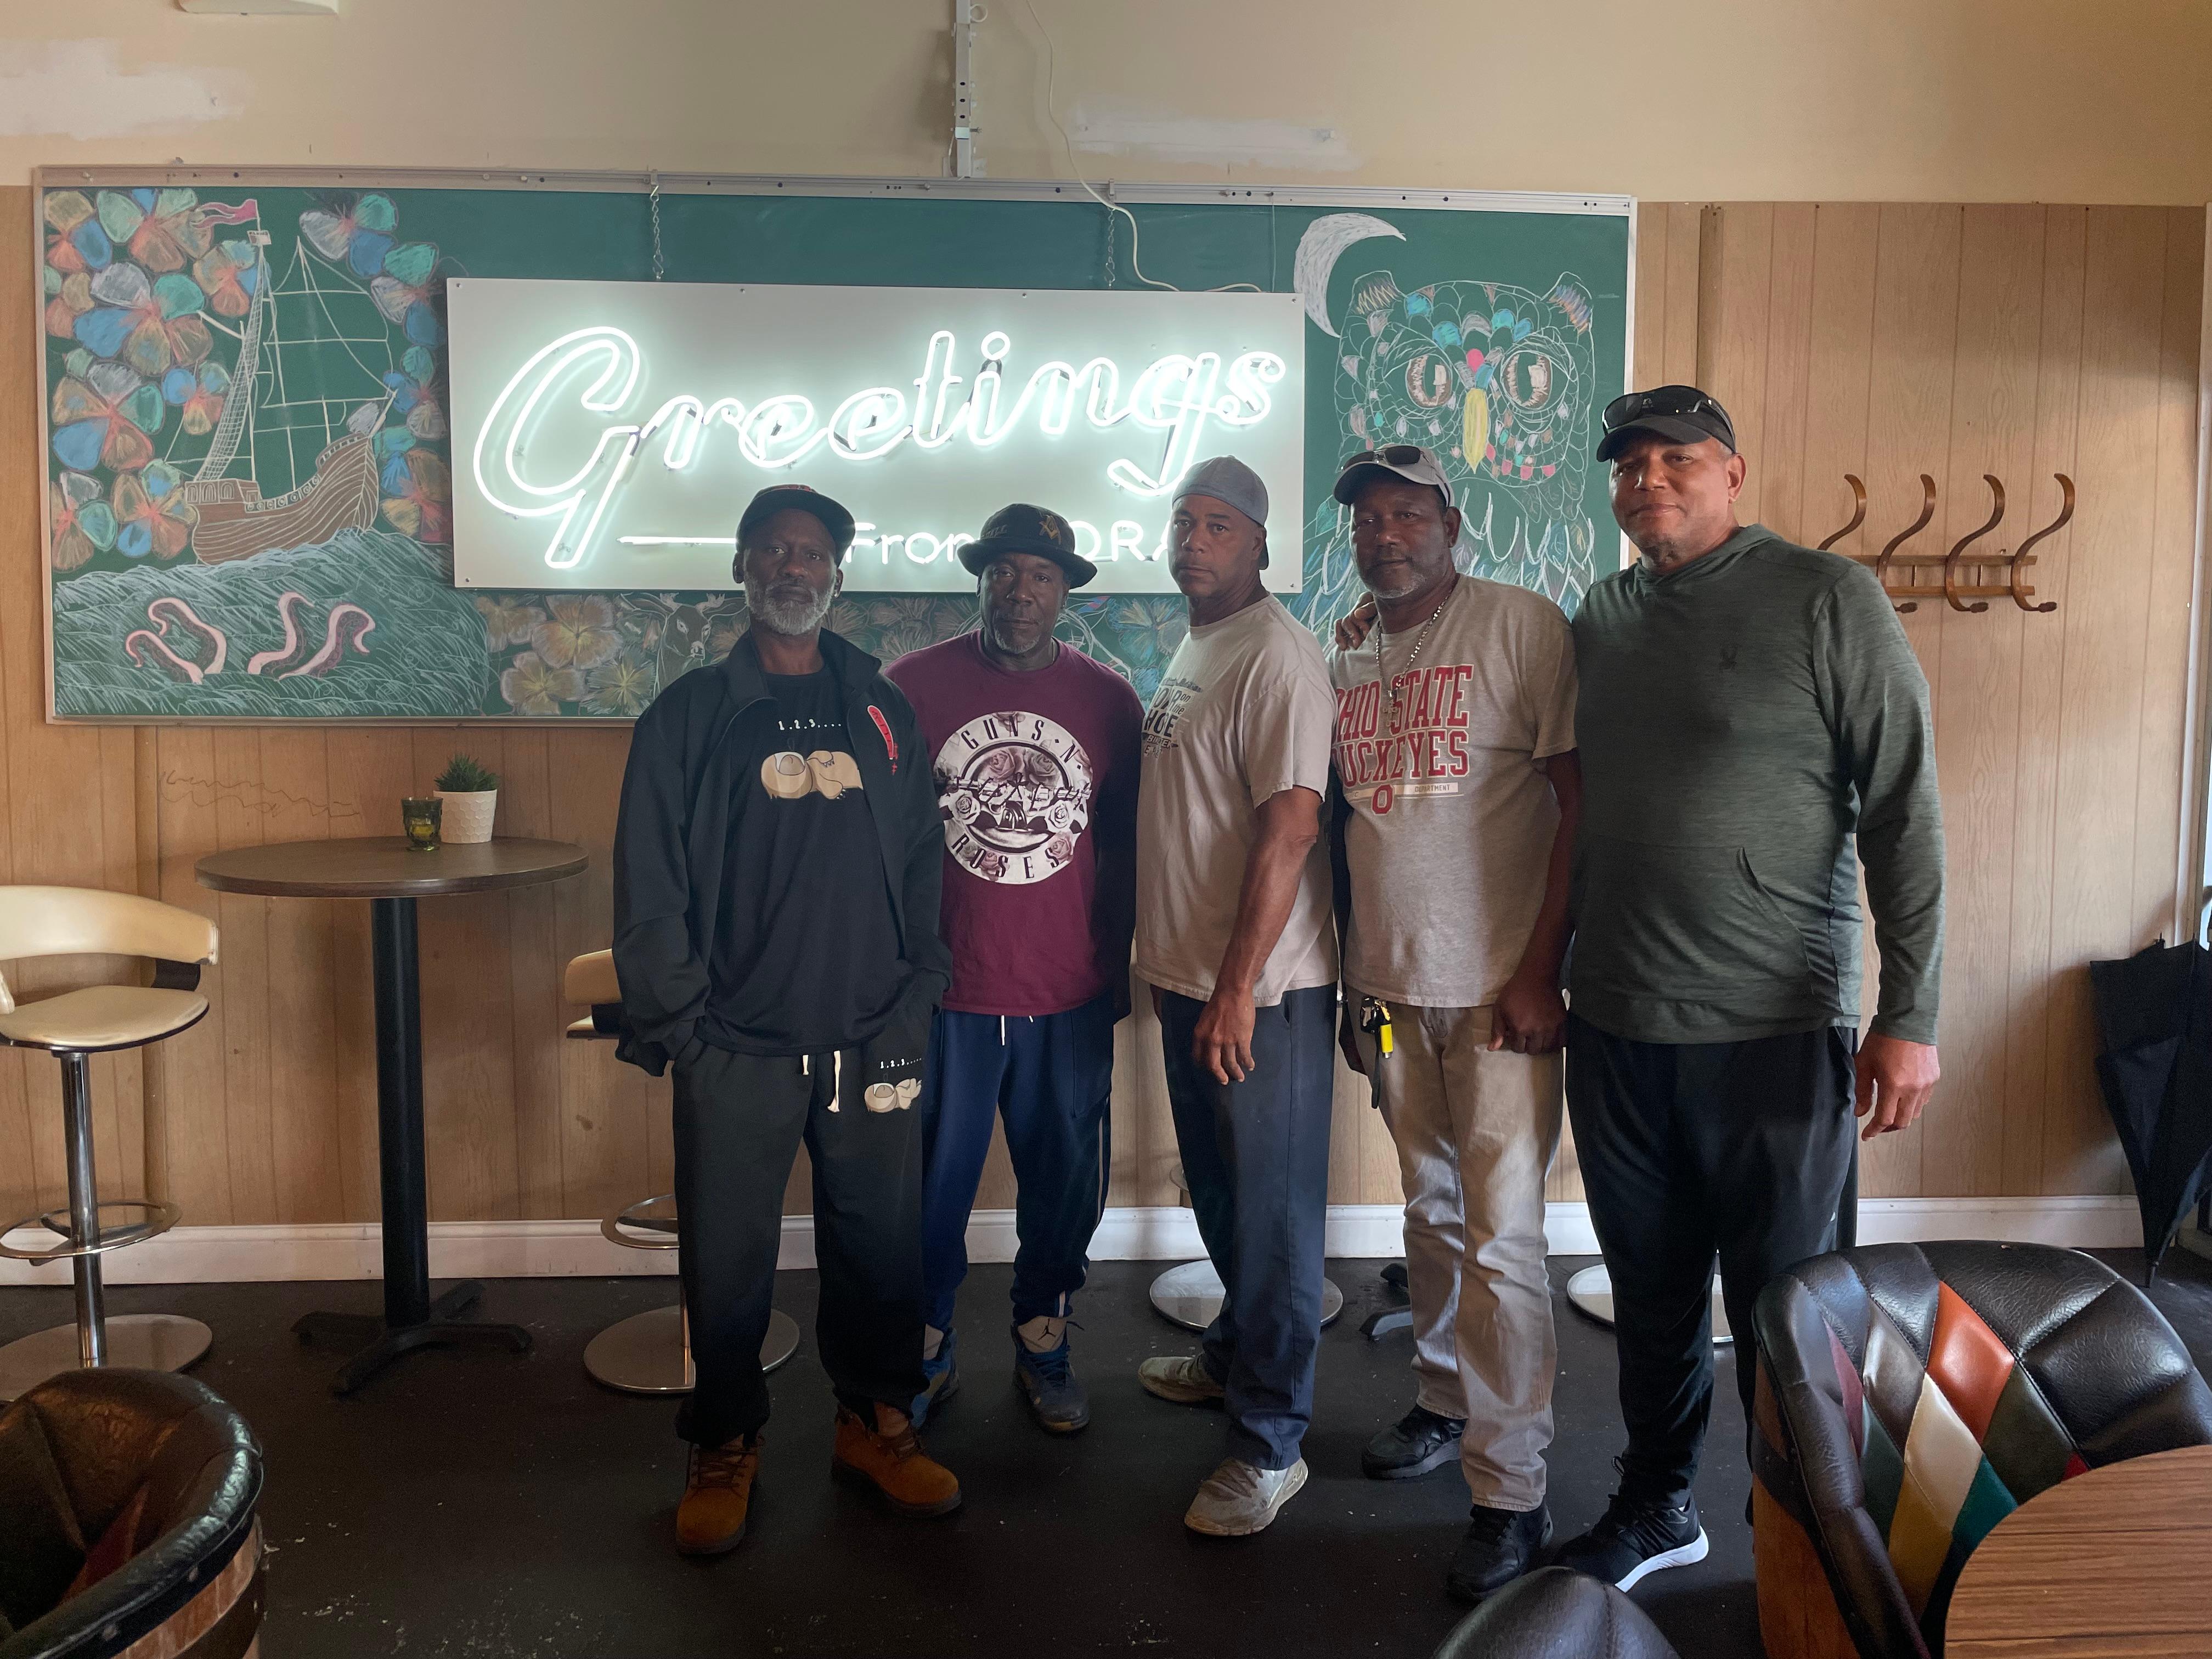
(608, 433)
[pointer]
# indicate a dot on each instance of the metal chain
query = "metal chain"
(660, 265)
(1110, 247)
(1390, 682)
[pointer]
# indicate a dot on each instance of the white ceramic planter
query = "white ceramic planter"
(468, 813)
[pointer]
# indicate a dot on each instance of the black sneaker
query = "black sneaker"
(1416, 1442)
(1498, 1547)
(1634, 1539)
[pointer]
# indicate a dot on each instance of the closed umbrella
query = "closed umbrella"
(2155, 1014)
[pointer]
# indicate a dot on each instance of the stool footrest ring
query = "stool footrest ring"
(159, 1217)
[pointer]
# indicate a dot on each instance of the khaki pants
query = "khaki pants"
(1475, 1132)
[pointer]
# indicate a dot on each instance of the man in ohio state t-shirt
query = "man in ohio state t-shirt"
(1034, 747)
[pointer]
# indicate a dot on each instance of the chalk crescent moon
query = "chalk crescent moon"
(1326, 238)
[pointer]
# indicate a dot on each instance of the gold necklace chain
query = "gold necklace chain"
(1389, 681)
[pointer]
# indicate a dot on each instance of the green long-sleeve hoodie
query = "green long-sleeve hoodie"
(1741, 720)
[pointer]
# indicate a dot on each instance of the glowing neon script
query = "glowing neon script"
(1177, 394)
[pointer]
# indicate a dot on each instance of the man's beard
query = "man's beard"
(787, 616)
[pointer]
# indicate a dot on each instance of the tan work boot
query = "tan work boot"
(718, 1490)
(888, 1458)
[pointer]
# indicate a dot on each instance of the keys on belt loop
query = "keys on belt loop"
(1375, 1020)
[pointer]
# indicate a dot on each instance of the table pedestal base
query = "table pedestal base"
(386, 1342)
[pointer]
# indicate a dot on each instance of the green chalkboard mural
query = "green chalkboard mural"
(250, 478)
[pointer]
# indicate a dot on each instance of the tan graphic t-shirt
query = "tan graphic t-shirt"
(1452, 821)
(1244, 713)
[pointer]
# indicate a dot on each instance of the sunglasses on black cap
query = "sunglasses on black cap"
(1681, 402)
(1387, 455)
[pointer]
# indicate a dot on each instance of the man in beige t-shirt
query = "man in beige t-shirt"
(1455, 754)
(1236, 937)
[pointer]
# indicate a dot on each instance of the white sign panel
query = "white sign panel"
(607, 435)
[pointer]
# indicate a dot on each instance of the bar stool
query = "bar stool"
(66, 921)
(648, 1353)
(1191, 1296)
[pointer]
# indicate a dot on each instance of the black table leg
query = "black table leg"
(411, 1320)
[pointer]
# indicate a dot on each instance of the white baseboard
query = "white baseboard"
(511, 1249)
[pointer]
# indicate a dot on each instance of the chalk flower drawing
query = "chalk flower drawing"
(579, 631)
(623, 687)
(532, 686)
(508, 620)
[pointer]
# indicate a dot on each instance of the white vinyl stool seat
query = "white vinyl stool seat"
(73, 1026)
(103, 1017)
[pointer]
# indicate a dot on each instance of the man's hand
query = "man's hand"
(1347, 1037)
(1895, 1079)
(1351, 628)
(1221, 1041)
(1531, 1017)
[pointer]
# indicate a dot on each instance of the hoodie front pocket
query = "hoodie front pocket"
(1673, 921)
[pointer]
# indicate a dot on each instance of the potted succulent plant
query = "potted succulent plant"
(470, 791)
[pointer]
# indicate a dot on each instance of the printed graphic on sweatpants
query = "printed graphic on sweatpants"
(1015, 791)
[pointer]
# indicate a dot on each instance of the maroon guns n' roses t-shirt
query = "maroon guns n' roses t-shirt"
(1036, 777)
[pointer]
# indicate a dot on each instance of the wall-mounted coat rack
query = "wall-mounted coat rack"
(1965, 580)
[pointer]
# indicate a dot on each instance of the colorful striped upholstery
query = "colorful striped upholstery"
(1911, 1397)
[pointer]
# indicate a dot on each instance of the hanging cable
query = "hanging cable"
(660, 265)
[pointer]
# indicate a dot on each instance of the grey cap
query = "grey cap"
(1227, 479)
(1409, 461)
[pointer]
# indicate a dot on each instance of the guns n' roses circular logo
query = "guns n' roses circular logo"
(1015, 791)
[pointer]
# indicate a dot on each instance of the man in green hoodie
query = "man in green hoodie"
(1753, 727)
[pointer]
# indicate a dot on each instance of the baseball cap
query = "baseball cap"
(1682, 413)
(1227, 479)
(777, 497)
(1409, 461)
(1022, 528)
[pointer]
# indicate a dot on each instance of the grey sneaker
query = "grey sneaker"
(1237, 1499)
(1182, 1378)
(1047, 1381)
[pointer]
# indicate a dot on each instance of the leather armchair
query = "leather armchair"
(127, 1502)
(1556, 1613)
(1910, 1397)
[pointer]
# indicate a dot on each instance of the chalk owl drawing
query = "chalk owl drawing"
(1499, 381)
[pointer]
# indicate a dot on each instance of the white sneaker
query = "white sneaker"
(1182, 1378)
(1237, 1499)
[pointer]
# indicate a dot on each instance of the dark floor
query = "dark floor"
(475, 1503)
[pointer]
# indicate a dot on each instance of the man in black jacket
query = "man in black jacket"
(777, 866)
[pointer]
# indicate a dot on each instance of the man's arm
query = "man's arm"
(1288, 824)
(664, 981)
(1880, 715)
(923, 880)
(1531, 1016)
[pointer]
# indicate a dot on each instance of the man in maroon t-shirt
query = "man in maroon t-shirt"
(1036, 750)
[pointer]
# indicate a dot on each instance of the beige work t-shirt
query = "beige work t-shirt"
(1244, 713)
(1452, 821)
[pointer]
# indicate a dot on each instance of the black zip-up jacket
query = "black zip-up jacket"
(671, 841)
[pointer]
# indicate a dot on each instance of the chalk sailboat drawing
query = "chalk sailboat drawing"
(278, 412)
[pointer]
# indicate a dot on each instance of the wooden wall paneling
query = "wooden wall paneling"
(534, 966)
(2028, 1079)
(1648, 346)
(2159, 845)
(1735, 280)
(1788, 371)
(1143, 1129)
(1840, 369)
(119, 1079)
(302, 1017)
(243, 1009)
(1680, 360)
(371, 770)
(22, 1189)
(468, 1022)
(1993, 414)
(1909, 420)
(2101, 715)
(190, 1072)
(605, 1105)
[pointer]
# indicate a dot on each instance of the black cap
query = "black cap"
(1681, 413)
(1022, 528)
(777, 497)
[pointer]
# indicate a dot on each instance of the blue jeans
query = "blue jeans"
(1051, 1077)
(1255, 1158)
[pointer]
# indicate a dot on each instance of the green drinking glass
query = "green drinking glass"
(423, 816)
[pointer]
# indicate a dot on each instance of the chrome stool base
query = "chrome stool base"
(645, 1353)
(152, 1342)
(1191, 1295)
(1591, 1290)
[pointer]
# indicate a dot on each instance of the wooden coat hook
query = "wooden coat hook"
(1951, 559)
(1882, 561)
(2012, 567)
(1858, 511)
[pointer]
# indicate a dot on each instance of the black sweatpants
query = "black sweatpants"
(1689, 1151)
(739, 1119)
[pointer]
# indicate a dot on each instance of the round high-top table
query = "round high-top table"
(392, 875)
(2109, 1564)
